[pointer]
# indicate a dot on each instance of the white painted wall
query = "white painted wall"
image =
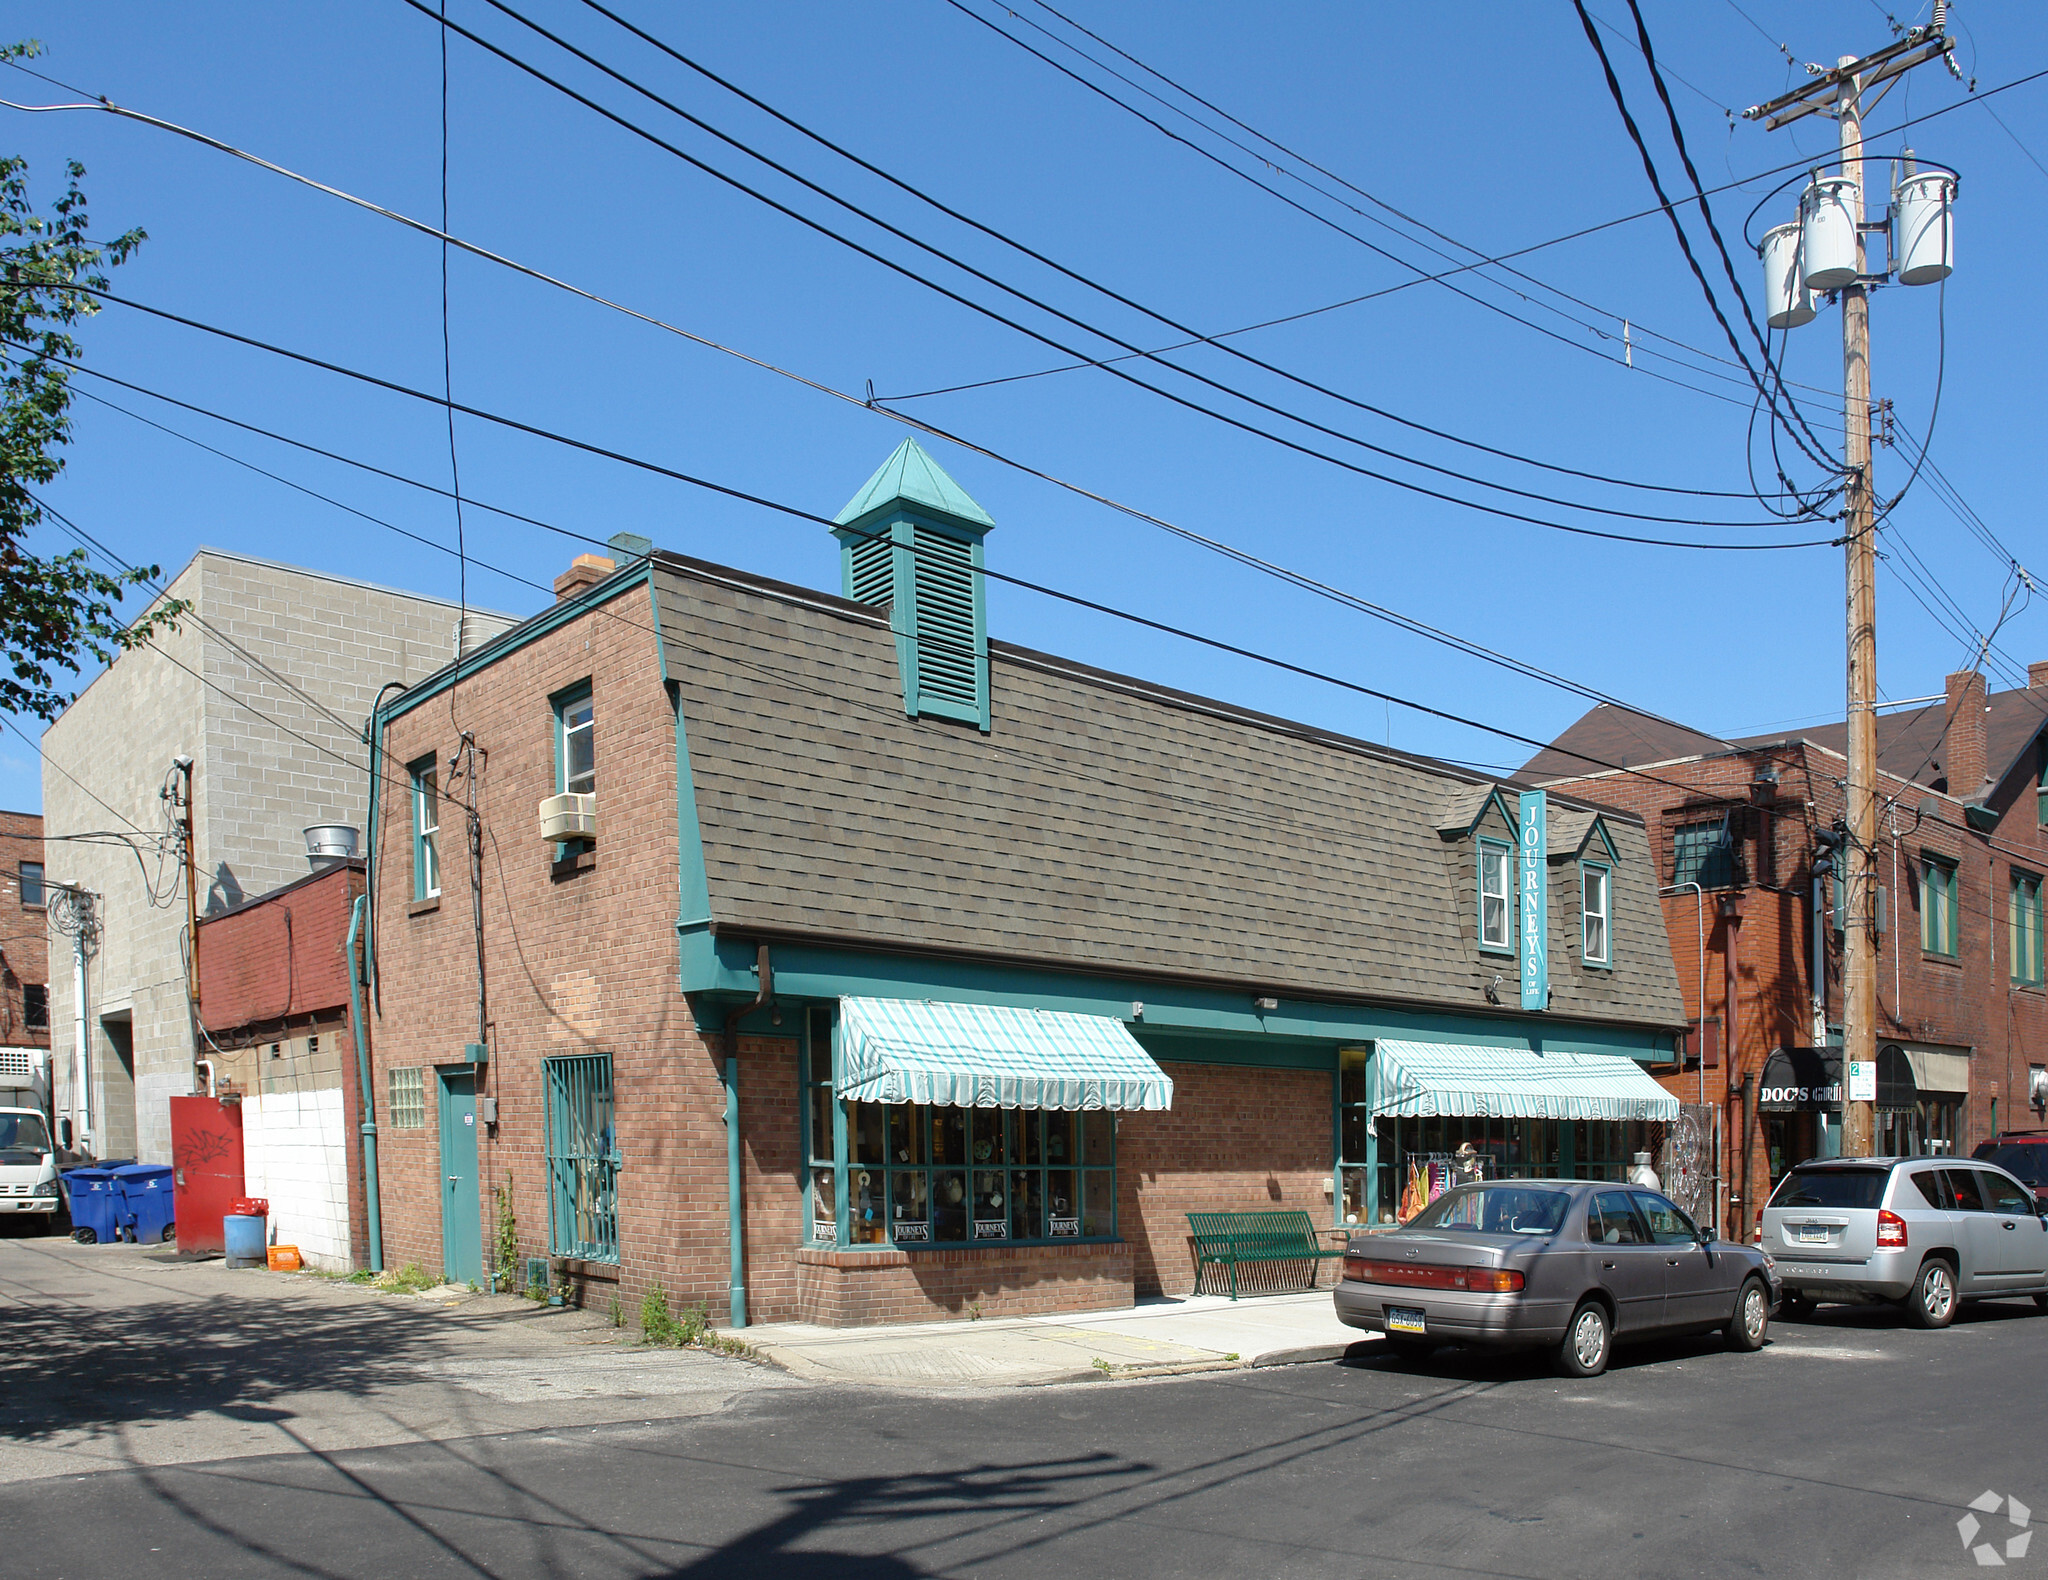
(295, 1153)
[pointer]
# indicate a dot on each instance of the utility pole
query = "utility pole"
(1841, 93)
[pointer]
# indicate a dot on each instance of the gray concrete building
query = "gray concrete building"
(264, 686)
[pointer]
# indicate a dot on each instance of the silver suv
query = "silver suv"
(1922, 1232)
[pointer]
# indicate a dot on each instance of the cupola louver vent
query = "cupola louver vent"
(911, 541)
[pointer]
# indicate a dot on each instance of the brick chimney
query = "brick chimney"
(586, 570)
(2037, 675)
(1965, 752)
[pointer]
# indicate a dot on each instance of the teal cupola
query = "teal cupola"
(910, 542)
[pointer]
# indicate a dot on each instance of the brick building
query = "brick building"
(274, 999)
(24, 951)
(265, 687)
(1963, 845)
(821, 956)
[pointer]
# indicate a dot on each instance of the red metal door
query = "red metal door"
(206, 1153)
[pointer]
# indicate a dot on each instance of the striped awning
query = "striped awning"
(1429, 1079)
(988, 1056)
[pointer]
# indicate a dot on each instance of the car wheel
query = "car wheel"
(1752, 1319)
(1933, 1301)
(1587, 1339)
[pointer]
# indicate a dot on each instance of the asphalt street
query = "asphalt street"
(1851, 1446)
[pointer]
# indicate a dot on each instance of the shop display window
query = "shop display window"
(919, 1175)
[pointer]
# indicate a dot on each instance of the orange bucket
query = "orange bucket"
(285, 1259)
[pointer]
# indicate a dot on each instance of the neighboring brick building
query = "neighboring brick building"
(265, 685)
(274, 999)
(1013, 962)
(1962, 850)
(24, 945)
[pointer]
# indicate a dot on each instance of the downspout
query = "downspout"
(736, 1296)
(1730, 907)
(355, 1005)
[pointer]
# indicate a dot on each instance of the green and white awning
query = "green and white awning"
(988, 1056)
(1420, 1080)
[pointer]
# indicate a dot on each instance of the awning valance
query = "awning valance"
(990, 1056)
(1430, 1079)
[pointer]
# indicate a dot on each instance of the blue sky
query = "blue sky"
(1490, 122)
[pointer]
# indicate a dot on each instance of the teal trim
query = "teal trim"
(1175, 1011)
(1607, 839)
(1506, 852)
(911, 476)
(698, 960)
(522, 635)
(1272, 1053)
(842, 1223)
(1605, 958)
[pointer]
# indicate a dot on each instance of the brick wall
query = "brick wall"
(24, 934)
(1236, 1139)
(860, 1288)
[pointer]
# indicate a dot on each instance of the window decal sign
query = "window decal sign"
(1533, 816)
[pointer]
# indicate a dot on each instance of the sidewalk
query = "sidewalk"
(1199, 1333)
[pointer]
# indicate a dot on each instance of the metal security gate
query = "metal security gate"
(583, 1158)
(1685, 1162)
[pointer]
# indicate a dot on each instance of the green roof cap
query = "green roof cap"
(915, 478)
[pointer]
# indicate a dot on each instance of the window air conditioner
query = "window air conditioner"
(568, 817)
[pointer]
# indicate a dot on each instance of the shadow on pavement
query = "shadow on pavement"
(65, 1365)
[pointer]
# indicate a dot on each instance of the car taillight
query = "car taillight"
(1891, 1230)
(1424, 1275)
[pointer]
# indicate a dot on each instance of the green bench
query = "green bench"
(1229, 1238)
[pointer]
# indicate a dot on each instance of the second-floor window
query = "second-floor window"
(1702, 853)
(2025, 927)
(575, 744)
(1937, 906)
(1496, 895)
(426, 830)
(35, 1006)
(31, 883)
(1596, 886)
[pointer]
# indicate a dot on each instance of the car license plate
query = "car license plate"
(1813, 1234)
(1404, 1319)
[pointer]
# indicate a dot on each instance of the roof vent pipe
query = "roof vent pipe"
(328, 844)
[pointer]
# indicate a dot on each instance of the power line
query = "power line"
(1200, 378)
(1819, 457)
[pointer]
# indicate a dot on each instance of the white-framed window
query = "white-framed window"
(1496, 896)
(426, 830)
(576, 742)
(1596, 891)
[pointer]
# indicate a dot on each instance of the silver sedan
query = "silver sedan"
(1572, 1265)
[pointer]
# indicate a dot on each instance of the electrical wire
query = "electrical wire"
(448, 388)
(1251, 428)
(1818, 456)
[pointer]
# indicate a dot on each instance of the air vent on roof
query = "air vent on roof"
(911, 541)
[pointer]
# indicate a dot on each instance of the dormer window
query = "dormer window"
(1496, 896)
(911, 543)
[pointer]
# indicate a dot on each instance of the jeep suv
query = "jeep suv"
(1923, 1233)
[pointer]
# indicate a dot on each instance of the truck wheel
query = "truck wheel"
(1752, 1319)
(1588, 1338)
(1932, 1303)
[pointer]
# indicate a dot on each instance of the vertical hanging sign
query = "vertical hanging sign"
(1533, 814)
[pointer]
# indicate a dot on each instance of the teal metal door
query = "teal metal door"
(462, 1230)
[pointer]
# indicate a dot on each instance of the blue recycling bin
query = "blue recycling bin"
(95, 1199)
(143, 1202)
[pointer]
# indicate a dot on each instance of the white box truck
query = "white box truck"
(28, 1155)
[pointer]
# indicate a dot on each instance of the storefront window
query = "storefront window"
(1358, 1202)
(1420, 1159)
(918, 1175)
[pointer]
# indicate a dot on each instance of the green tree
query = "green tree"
(53, 609)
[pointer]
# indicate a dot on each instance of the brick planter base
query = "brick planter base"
(844, 1289)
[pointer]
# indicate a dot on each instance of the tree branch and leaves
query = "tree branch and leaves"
(54, 609)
